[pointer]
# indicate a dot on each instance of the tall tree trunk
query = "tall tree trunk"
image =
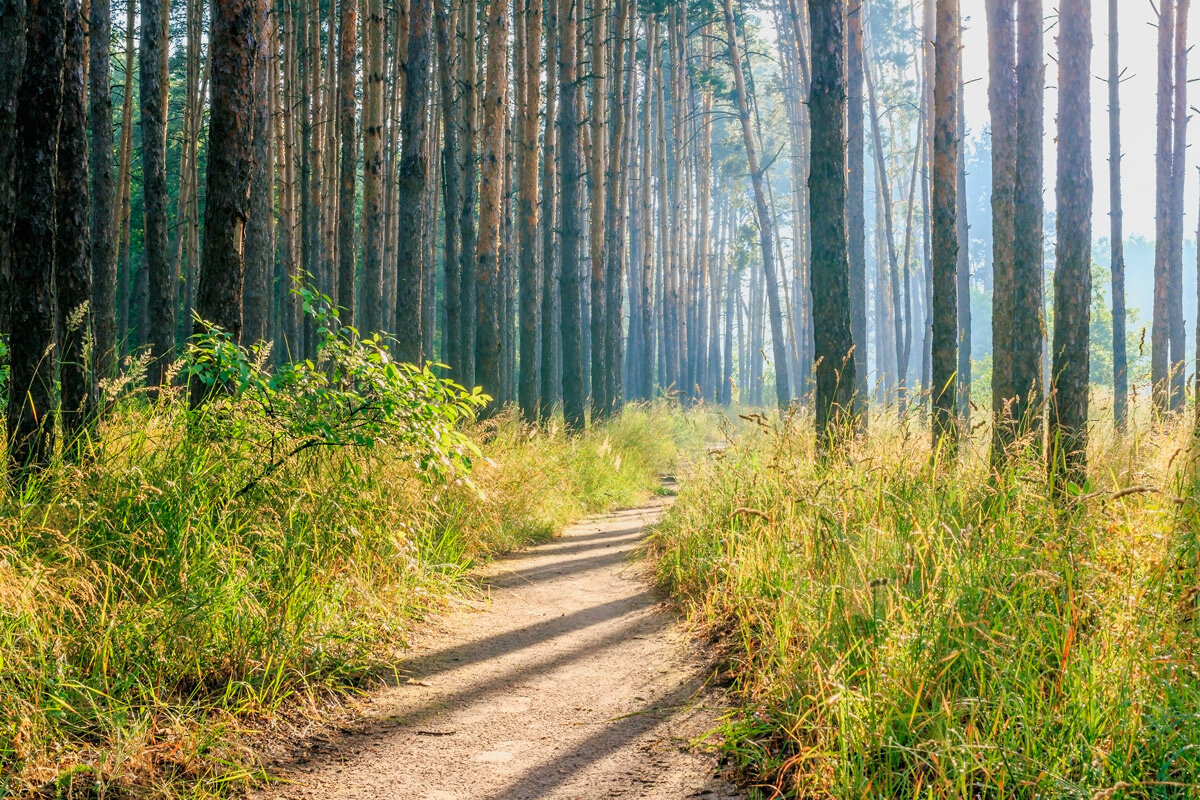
(1116, 221)
(572, 321)
(289, 267)
(314, 141)
(236, 34)
(1028, 324)
(885, 199)
(396, 34)
(963, 272)
(373, 56)
(468, 233)
(614, 253)
(31, 398)
(725, 396)
(702, 380)
(766, 231)
(347, 185)
(451, 180)
(1002, 104)
(530, 26)
(1067, 455)
(666, 187)
(413, 175)
(124, 188)
(260, 241)
(103, 233)
(835, 362)
(714, 307)
(430, 231)
(161, 281)
(12, 62)
(856, 222)
(491, 188)
(73, 252)
(330, 141)
(944, 352)
(650, 135)
(596, 163)
(188, 175)
(548, 380)
(1175, 330)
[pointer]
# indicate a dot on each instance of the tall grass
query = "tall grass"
(149, 614)
(900, 626)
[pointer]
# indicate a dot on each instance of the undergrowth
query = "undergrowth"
(904, 626)
(161, 598)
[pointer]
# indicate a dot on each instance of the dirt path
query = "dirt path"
(569, 680)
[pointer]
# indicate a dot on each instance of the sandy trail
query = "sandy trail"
(571, 679)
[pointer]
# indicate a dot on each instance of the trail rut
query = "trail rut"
(570, 678)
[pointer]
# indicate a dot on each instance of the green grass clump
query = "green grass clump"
(150, 615)
(899, 626)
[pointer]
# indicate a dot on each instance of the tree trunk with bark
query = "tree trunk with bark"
(1116, 221)
(614, 252)
(1164, 157)
(32, 399)
(348, 171)
(1175, 330)
(260, 240)
(1029, 330)
(234, 45)
(598, 152)
(444, 15)
(124, 189)
(529, 24)
(835, 361)
(373, 305)
(104, 202)
(488, 253)
(944, 352)
(12, 62)
(161, 280)
(468, 233)
(572, 320)
(1067, 455)
(856, 223)
(413, 175)
(1002, 104)
(963, 276)
(549, 383)
(73, 252)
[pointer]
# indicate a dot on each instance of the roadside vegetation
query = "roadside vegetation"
(197, 572)
(903, 625)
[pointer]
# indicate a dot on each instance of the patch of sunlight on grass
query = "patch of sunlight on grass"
(146, 617)
(898, 626)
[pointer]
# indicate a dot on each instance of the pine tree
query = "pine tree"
(834, 356)
(32, 400)
(161, 282)
(1116, 219)
(104, 198)
(1068, 417)
(72, 243)
(236, 34)
(944, 191)
(413, 175)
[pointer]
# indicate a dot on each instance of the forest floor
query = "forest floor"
(569, 677)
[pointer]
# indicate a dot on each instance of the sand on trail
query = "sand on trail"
(569, 678)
